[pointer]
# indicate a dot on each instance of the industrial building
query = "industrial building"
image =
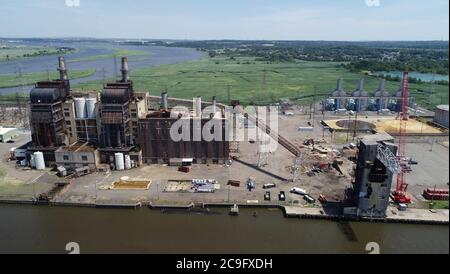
(157, 146)
(48, 128)
(441, 116)
(115, 127)
(360, 100)
(375, 170)
(78, 155)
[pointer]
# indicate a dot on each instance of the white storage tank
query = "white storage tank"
(127, 162)
(80, 108)
(39, 160)
(91, 107)
(120, 162)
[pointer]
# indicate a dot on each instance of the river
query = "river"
(425, 77)
(154, 56)
(31, 229)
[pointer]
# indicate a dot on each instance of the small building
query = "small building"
(8, 134)
(441, 116)
(78, 155)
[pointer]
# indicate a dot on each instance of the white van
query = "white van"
(298, 191)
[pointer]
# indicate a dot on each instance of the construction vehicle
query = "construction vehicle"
(399, 195)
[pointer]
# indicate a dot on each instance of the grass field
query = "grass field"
(117, 52)
(25, 52)
(260, 82)
(437, 204)
(13, 80)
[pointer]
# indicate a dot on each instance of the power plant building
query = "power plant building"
(75, 129)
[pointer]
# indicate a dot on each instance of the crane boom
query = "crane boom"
(399, 194)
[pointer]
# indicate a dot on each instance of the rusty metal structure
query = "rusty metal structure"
(158, 147)
(48, 129)
(117, 130)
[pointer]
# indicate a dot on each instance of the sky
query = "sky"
(338, 20)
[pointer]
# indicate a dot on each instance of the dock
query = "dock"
(411, 216)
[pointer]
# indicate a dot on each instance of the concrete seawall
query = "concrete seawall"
(412, 216)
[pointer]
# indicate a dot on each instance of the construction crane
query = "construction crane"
(399, 195)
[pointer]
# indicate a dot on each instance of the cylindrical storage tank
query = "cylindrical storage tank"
(120, 162)
(442, 116)
(80, 108)
(127, 162)
(91, 107)
(39, 160)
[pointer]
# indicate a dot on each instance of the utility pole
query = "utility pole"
(356, 124)
(115, 68)
(157, 190)
(104, 76)
(314, 106)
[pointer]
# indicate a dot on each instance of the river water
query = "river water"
(154, 56)
(30, 229)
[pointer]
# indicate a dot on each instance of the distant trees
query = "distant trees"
(212, 53)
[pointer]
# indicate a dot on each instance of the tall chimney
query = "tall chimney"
(164, 101)
(382, 85)
(62, 68)
(360, 85)
(124, 70)
(339, 84)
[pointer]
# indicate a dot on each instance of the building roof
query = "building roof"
(4, 130)
(443, 107)
(77, 147)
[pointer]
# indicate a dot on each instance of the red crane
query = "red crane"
(399, 195)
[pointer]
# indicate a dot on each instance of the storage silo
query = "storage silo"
(127, 162)
(39, 160)
(80, 107)
(120, 162)
(91, 104)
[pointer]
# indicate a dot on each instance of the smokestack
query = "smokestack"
(339, 84)
(214, 105)
(124, 70)
(382, 85)
(361, 85)
(62, 68)
(164, 101)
